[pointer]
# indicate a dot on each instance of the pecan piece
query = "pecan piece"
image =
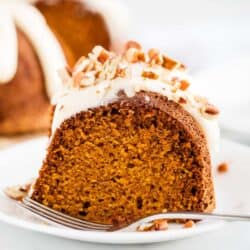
(211, 109)
(189, 224)
(132, 44)
(150, 75)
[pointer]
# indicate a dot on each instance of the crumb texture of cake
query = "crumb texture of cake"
(126, 147)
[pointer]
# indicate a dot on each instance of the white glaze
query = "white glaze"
(48, 49)
(8, 46)
(73, 101)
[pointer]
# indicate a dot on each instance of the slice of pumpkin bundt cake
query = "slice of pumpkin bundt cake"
(128, 140)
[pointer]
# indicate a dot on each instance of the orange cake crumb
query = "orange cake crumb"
(223, 167)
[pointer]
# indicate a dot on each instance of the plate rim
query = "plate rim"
(118, 237)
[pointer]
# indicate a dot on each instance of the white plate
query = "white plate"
(21, 162)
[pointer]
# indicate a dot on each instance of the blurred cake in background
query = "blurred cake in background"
(79, 25)
(30, 56)
(32, 50)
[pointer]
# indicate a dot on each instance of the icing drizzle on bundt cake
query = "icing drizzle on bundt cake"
(98, 79)
(33, 25)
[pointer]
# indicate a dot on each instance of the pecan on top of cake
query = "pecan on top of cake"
(97, 79)
(102, 64)
(135, 64)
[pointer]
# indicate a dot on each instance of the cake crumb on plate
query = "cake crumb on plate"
(222, 167)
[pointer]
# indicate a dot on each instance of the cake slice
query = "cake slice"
(128, 140)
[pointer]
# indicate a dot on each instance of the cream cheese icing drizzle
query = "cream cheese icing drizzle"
(82, 95)
(8, 46)
(34, 26)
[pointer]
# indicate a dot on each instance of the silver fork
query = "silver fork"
(59, 218)
(54, 216)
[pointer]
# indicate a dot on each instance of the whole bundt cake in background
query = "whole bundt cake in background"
(128, 140)
(81, 24)
(30, 56)
(32, 50)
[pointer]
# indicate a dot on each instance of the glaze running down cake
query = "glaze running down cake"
(34, 47)
(128, 140)
(27, 77)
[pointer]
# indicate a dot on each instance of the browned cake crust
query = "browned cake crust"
(77, 28)
(132, 158)
(24, 103)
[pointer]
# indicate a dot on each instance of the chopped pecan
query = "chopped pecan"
(182, 100)
(132, 44)
(17, 192)
(84, 79)
(121, 72)
(150, 75)
(134, 55)
(189, 224)
(156, 225)
(181, 66)
(145, 227)
(161, 224)
(169, 63)
(155, 56)
(184, 84)
(211, 109)
(102, 55)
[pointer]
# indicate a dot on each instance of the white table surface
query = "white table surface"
(233, 236)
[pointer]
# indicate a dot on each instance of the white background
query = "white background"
(198, 32)
(202, 34)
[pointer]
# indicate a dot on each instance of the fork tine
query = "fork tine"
(51, 218)
(62, 218)
(40, 214)
(57, 221)
(65, 216)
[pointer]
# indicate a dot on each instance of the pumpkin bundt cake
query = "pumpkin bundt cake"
(32, 50)
(128, 140)
(26, 74)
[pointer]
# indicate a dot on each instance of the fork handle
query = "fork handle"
(199, 216)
